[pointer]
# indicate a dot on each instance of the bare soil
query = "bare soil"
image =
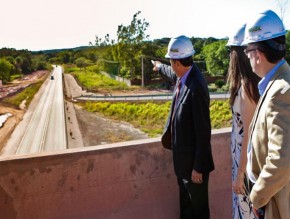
(94, 128)
(9, 126)
(97, 130)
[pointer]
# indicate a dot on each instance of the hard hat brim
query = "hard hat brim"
(171, 56)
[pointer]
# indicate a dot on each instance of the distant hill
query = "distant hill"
(60, 50)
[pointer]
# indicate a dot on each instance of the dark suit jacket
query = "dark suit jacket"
(191, 128)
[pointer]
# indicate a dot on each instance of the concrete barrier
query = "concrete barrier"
(118, 181)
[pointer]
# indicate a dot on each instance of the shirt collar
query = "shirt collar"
(265, 80)
(184, 77)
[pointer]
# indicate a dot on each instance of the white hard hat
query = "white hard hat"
(179, 47)
(267, 25)
(237, 38)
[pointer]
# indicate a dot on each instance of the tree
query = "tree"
(83, 62)
(41, 65)
(282, 4)
(24, 63)
(27, 65)
(287, 57)
(65, 57)
(19, 62)
(5, 69)
(216, 57)
(99, 42)
(128, 49)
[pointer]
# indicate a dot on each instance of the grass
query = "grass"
(150, 117)
(26, 94)
(97, 82)
(146, 116)
(13, 77)
(220, 114)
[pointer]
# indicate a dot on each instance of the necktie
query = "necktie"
(177, 93)
(176, 96)
(175, 103)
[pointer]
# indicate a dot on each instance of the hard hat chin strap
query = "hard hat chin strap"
(275, 45)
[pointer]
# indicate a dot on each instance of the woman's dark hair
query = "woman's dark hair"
(240, 74)
(274, 49)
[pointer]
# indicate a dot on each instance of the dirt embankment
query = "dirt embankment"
(10, 124)
(95, 129)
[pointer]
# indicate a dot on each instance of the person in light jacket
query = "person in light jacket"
(268, 164)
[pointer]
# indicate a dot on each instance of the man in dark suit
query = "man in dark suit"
(188, 129)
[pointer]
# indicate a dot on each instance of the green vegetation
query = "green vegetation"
(150, 117)
(5, 69)
(131, 44)
(218, 88)
(20, 62)
(71, 68)
(16, 76)
(220, 114)
(97, 82)
(26, 94)
(216, 57)
(83, 62)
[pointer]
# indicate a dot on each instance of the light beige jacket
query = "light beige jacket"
(270, 139)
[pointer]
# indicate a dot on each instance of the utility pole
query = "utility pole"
(142, 60)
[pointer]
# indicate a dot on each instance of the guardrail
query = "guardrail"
(109, 97)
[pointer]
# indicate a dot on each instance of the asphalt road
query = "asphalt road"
(46, 129)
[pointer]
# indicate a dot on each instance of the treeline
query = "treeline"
(16, 63)
(128, 56)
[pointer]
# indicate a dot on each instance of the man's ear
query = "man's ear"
(177, 63)
(259, 56)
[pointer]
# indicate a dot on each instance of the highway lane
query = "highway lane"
(46, 129)
(56, 132)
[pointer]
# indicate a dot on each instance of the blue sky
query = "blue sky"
(54, 24)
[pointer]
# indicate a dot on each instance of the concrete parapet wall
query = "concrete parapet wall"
(118, 181)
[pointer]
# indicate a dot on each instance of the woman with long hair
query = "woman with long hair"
(244, 95)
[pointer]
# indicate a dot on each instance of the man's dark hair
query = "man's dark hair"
(186, 61)
(274, 49)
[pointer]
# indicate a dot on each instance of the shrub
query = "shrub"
(150, 117)
(219, 83)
